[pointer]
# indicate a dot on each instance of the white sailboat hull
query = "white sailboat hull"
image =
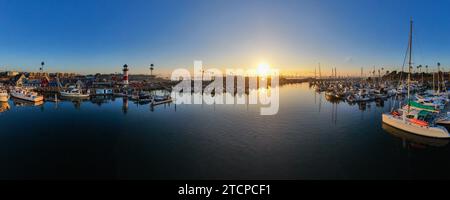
(435, 132)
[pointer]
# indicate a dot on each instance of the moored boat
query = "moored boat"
(26, 94)
(73, 92)
(419, 122)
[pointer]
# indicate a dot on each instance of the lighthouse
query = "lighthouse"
(125, 74)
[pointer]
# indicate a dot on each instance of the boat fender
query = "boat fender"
(395, 113)
(419, 122)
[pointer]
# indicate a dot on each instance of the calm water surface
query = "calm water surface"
(310, 138)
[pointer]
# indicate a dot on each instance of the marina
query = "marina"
(128, 140)
(260, 90)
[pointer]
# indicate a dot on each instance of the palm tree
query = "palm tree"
(439, 67)
(420, 71)
(151, 69)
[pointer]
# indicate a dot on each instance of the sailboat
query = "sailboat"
(420, 122)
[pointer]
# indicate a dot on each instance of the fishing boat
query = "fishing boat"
(26, 94)
(420, 122)
(4, 96)
(74, 92)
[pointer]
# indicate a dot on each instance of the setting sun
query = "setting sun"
(263, 69)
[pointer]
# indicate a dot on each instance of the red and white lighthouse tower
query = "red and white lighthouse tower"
(125, 74)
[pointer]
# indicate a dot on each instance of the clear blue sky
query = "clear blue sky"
(89, 36)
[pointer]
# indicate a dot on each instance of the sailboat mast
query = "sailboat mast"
(439, 79)
(315, 74)
(443, 81)
(320, 73)
(410, 59)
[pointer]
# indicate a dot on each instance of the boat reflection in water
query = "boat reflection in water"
(4, 106)
(101, 99)
(415, 141)
(23, 103)
(332, 99)
(379, 103)
(77, 103)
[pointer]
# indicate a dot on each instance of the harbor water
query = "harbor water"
(309, 138)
